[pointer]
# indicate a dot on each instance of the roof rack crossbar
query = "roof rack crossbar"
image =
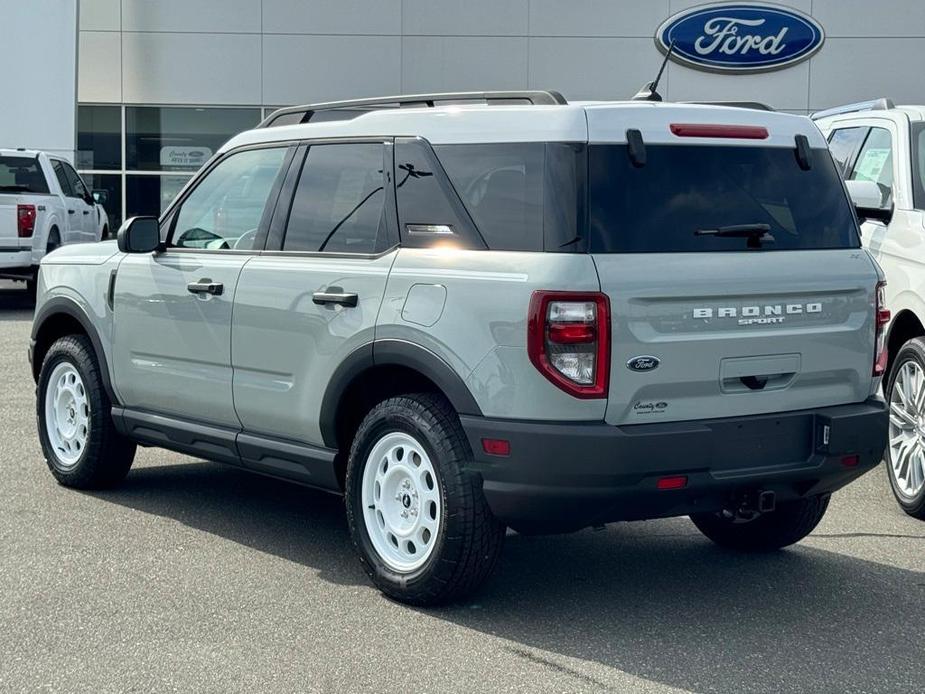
(534, 97)
(881, 104)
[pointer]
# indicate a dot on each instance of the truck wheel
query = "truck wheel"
(420, 523)
(790, 522)
(905, 454)
(81, 445)
(54, 240)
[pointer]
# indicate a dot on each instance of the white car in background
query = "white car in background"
(880, 149)
(43, 204)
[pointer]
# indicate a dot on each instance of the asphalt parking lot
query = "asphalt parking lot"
(198, 577)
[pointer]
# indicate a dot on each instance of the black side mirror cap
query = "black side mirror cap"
(877, 214)
(139, 235)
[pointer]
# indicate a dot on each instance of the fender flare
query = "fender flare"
(63, 305)
(390, 352)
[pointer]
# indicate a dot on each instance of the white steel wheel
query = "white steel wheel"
(907, 429)
(67, 414)
(402, 508)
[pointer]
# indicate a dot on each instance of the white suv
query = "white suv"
(880, 149)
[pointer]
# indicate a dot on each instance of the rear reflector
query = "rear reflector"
(851, 460)
(741, 132)
(496, 447)
(672, 482)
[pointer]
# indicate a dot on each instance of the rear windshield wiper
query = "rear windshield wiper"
(755, 233)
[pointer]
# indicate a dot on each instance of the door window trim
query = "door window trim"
(277, 228)
(168, 219)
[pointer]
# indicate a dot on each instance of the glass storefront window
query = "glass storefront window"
(150, 195)
(99, 137)
(107, 191)
(180, 138)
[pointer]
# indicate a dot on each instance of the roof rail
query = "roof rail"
(354, 107)
(754, 105)
(881, 104)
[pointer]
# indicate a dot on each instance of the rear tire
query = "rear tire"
(54, 240)
(789, 523)
(420, 523)
(905, 460)
(81, 445)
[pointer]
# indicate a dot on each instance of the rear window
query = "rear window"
(521, 196)
(682, 189)
(21, 175)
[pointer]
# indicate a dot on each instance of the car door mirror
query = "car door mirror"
(101, 196)
(139, 235)
(867, 199)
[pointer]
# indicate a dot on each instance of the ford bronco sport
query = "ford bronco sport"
(880, 149)
(479, 311)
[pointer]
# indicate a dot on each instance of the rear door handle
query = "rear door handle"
(343, 299)
(70, 211)
(86, 211)
(206, 286)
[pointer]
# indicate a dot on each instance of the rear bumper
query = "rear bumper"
(16, 263)
(562, 477)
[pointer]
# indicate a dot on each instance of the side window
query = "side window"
(429, 210)
(843, 143)
(78, 189)
(339, 201)
(58, 166)
(875, 163)
(224, 209)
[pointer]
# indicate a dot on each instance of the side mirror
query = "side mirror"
(867, 199)
(101, 196)
(139, 235)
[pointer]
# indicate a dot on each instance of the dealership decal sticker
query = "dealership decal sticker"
(740, 37)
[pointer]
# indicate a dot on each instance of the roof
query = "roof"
(481, 123)
(19, 152)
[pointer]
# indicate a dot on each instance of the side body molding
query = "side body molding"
(392, 353)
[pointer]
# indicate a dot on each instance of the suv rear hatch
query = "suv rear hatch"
(732, 262)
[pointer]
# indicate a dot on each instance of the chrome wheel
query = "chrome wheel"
(67, 414)
(907, 429)
(402, 508)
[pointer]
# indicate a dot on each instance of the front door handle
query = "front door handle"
(86, 211)
(205, 286)
(70, 211)
(341, 298)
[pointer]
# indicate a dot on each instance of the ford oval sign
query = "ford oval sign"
(740, 37)
(643, 363)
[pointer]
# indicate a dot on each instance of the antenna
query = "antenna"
(648, 93)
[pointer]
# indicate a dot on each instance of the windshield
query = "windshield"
(689, 198)
(918, 165)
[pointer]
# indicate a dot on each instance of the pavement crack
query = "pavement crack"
(557, 667)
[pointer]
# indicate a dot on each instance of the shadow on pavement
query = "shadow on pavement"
(653, 600)
(15, 299)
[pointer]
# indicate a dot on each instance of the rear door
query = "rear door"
(313, 296)
(73, 217)
(82, 202)
(737, 268)
(172, 309)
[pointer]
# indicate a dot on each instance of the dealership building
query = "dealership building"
(161, 84)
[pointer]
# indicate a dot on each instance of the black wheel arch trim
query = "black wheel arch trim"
(392, 352)
(67, 306)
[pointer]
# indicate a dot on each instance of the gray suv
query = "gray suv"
(467, 312)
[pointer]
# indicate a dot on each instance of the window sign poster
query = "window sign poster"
(871, 164)
(173, 157)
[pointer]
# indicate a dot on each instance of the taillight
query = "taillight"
(883, 318)
(25, 220)
(568, 340)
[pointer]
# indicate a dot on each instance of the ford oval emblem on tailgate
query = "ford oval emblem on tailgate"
(740, 37)
(643, 363)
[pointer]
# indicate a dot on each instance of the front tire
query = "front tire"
(420, 523)
(905, 453)
(789, 523)
(81, 445)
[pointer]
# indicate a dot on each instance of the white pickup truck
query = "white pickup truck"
(43, 204)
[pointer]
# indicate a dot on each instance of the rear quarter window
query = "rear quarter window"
(21, 175)
(659, 207)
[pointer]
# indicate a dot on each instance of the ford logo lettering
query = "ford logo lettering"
(740, 37)
(643, 363)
